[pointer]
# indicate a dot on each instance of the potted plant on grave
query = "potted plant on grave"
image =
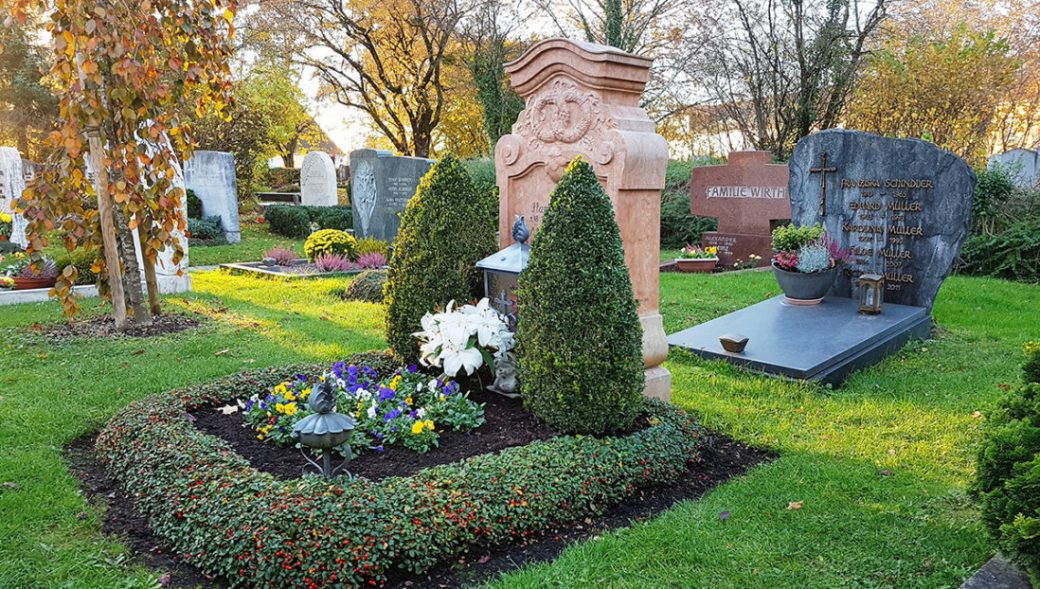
(697, 259)
(19, 268)
(805, 262)
(6, 226)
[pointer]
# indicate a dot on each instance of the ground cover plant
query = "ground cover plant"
(255, 531)
(880, 467)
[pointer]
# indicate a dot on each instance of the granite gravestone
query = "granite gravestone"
(380, 188)
(1022, 164)
(318, 180)
(12, 183)
(748, 195)
(211, 175)
(902, 206)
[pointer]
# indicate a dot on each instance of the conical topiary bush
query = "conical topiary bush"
(580, 341)
(447, 226)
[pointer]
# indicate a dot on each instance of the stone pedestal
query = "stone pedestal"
(747, 195)
(583, 99)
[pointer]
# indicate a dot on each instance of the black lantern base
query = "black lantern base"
(325, 468)
(824, 342)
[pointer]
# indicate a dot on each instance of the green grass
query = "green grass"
(256, 239)
(881, 464)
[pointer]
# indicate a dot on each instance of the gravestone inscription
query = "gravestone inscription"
(318, 180)
(380, 188)
(211, 175)
(12, 183)
(747, 195)
(901, 206)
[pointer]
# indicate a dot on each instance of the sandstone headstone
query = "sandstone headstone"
(380, 188)
(12, 183)
(211, 175)
(903, 206)
(318, 180)
(1022, 164)
(748, 195)
(583, 99)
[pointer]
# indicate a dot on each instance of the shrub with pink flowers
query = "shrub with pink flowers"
(228, 519)
(335, 263)
(372, 261)
(282, 256)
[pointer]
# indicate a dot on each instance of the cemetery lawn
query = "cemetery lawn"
(256, 239)
(869, 489)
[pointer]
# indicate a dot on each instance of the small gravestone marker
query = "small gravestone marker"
(211, 175)
(902, 206)
(380, 188)
(1022, 164)
(12, 183)
(748, 195)
(318, 180)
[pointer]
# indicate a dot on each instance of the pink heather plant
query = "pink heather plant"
(282, 256)
(371, 260)
(335, 263)
(46, 271)
(786, 260)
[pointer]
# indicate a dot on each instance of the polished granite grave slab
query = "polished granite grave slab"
(824, 342)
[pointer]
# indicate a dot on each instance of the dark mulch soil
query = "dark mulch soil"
(105, 326)
(507, 425)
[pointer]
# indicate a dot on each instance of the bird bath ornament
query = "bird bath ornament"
(324, 429)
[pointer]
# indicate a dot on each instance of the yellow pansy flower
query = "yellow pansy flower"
(417, 427)
(408, 401)
(290, 409)
(428, 424)
(395, 382)
(280, 408)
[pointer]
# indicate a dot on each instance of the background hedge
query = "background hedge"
(295, 221)
(224, 517)
(1008, 471)
(446, 228)
(580, 341)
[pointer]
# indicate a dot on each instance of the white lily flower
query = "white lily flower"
(468, 359)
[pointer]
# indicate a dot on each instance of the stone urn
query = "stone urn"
(696, 264)
(805, 289)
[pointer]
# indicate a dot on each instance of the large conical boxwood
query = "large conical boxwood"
(446, 228)
(580, 341)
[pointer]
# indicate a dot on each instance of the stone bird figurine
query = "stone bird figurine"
(520, 231)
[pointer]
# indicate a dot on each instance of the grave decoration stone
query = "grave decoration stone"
(318, 180)
(380, 188)
(748, 195)
(902, 206)
(1023, 166)
(12, 183)
(211, 175)
(583, 100)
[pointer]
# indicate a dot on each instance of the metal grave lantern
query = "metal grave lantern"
(325, 428)
(502, 271)
(871, 293)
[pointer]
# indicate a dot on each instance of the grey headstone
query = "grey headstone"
(211, 174)
(318, 180)
(380, 188)
(1022, 164)
(998, 573)
(12, 183)
(902, 205)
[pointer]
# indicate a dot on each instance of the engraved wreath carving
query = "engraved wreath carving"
(364, 195)
(565, 113)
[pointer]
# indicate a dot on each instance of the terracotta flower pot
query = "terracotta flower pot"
(28, 283)
(805, 289)
(696, 264)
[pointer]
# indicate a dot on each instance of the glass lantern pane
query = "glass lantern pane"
(501, 288)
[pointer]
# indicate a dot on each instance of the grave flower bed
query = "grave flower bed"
(228, 519)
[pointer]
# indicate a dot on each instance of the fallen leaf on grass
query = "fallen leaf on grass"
(723, 516)
(222, 352)
(228, 409)
(137, 352)
(886, 473)
(9, 485)
(795, 505)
